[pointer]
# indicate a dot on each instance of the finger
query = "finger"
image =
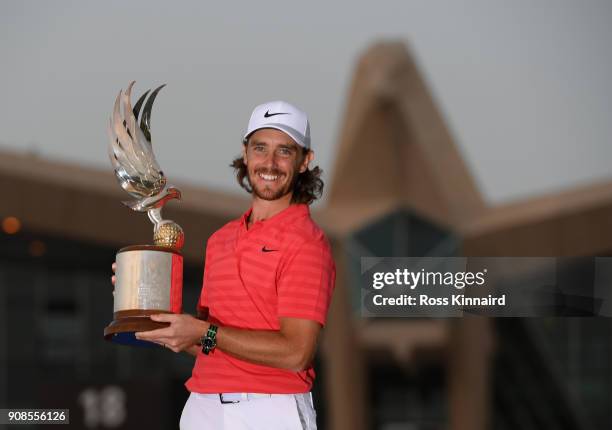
(158, 335)
(114, 266)
(113, 279)
(167, 343)
(172, 347)
(164, 317)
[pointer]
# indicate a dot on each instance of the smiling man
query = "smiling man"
(268, 282)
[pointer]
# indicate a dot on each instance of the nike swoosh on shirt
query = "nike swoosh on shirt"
(264, 249)
(268, 114)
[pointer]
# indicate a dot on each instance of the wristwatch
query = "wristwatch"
(209, 339)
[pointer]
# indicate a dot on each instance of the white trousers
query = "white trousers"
(276, 412)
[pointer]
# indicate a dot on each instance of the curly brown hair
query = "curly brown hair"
(308, 185)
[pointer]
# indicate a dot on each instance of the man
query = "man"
(268, 282)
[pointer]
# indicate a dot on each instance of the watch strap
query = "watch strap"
(209, 340)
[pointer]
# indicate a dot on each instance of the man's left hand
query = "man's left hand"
(184, 331)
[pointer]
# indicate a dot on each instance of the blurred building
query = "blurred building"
(399, 188)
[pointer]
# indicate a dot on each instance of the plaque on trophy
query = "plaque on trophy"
(149, 278)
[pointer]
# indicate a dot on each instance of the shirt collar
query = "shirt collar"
(287, 215)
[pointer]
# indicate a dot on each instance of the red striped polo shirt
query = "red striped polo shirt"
(279, 267)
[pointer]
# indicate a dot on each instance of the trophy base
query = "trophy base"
(126, 323)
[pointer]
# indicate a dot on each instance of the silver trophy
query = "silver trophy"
(149, 278)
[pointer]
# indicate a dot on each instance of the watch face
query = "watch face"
(208, 343)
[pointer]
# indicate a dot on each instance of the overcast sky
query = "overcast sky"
(524, 86)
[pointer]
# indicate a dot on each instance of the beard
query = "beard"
(269, 191)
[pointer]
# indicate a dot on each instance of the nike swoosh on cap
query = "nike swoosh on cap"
(268, 114)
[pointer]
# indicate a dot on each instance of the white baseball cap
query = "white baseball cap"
(282, 116)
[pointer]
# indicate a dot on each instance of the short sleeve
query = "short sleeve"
(306, 281)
